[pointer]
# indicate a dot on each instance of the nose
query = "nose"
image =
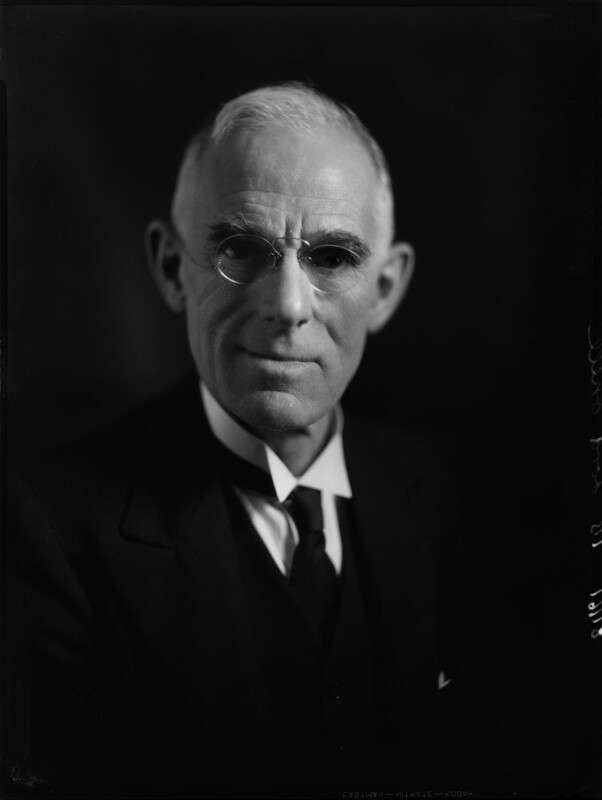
(285, 293)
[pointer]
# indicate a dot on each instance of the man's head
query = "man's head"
(278, 347)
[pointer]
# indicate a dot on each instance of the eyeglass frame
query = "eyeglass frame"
(278, 256)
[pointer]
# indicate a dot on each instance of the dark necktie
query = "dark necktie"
(313, 580)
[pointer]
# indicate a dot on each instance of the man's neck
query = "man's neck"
(298, 449)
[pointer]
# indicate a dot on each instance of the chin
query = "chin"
(278, 411)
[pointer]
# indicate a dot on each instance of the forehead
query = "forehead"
(288, 182)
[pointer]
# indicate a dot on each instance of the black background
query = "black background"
(487, 115)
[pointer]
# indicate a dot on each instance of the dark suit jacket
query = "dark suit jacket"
(132, 667)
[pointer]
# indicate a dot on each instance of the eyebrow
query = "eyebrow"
(230, 227)
(340, 237)
(238, 224)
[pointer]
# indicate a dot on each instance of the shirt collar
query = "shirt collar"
(327, 473)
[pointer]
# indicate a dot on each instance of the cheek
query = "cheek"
(347, 329)
(349, 325)
(209, 305)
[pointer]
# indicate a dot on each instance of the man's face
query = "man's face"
(276, 353)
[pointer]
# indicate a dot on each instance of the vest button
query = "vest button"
(334, 691)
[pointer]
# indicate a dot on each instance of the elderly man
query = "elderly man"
(235, 588)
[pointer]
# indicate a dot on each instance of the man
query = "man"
(236, 589)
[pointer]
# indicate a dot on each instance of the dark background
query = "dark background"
(488, 117)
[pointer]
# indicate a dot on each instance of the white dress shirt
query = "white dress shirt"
(274, 525)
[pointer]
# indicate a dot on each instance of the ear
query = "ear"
(164, 261)
(393, 278)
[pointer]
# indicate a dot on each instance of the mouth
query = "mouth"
(283, 358)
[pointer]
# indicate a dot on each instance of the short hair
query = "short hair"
(297, 106)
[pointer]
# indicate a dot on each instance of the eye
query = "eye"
(332, 257)
(243, 248)
(241, 258)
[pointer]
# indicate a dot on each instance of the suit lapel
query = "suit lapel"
(393, 507)
(177, 505)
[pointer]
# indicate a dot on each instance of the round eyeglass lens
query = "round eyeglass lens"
(332, 268)
(242, 258)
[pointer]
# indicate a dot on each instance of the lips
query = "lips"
(277, 355)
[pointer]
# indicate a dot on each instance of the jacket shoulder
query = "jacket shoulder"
(90, 477)
(384, 446)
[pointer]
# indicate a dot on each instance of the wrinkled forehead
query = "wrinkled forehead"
(287, 182)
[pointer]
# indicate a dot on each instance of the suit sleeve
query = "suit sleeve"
(50, 713)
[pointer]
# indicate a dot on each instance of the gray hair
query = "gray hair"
(298, 106)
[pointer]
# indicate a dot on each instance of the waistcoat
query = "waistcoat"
(323, 696)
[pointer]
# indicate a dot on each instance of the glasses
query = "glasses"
(243, 258)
